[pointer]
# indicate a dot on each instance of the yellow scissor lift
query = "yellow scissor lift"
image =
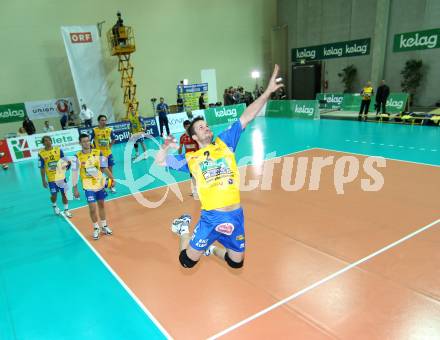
(121, 44)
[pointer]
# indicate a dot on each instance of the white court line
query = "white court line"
(123, 284)
(366, 155)
(322, 281)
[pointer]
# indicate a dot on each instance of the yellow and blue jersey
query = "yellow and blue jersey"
(214, 169)
(89, 165)
(49, 160)
(367, 93)
(135, 123)
(102, 139)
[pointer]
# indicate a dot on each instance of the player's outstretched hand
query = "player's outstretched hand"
(76, 193)
(170, 142)
(274, 85)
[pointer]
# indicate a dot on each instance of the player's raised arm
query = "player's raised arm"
(252, 110)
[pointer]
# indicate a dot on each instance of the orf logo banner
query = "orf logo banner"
(81, 37)
(84, 51)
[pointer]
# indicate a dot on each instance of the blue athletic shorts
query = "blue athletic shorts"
(110, 160)
(54, 187)
(225, 227)
(93, 196)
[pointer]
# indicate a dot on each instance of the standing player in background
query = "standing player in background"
(103, 139)
(163, 110)
(136, 130)
(53, 166)
(366, 94)
(218, 185)
(190, 145)
(88, 165)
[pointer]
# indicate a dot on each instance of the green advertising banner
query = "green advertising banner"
(224, 114)
(304, 109)
(352, 102)
(420, 40)
(12, 113)
(330, 100)
(396, 102)
(342, 49)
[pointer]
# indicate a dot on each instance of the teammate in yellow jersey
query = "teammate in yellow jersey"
(136, 130)
(103, 139)
(217, 177)
(53, 166)
(366, 94)
(88, 165)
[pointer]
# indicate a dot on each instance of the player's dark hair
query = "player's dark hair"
(83, 135)
(100, 116)
(191, 127)
(44, 137)
(186, 122)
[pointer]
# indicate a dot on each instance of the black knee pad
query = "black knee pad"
(233, 264)
(185, 261)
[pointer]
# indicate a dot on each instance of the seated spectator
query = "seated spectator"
(21, 132)
(47, 127)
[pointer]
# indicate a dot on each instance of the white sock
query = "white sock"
(54, 205)
(96, 225)
(103, 223)
(66, 206)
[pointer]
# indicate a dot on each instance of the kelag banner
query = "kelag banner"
(342, 49)
(12, 113)
(330, 100)
(224, 114)
(396, 102)
(420, 40)
(303, 109)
